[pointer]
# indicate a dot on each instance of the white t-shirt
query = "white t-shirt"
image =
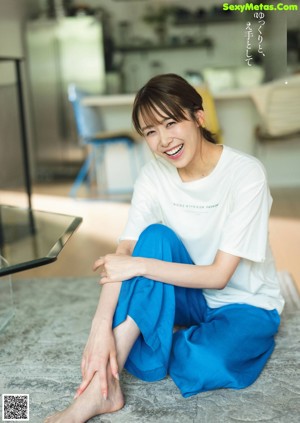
(227, 210)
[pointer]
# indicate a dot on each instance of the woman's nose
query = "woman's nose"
(165, 139)
(166, 142)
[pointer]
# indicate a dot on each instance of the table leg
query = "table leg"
(7, 309)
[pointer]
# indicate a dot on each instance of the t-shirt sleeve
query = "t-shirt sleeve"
(245, 232)
(144, 209)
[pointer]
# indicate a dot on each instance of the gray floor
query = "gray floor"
(41, 351)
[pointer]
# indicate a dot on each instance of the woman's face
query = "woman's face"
(177, 142)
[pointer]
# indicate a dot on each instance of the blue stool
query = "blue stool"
(90, 130)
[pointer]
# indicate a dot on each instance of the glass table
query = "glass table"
(28, 238)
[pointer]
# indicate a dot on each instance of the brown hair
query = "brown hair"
(167, 95)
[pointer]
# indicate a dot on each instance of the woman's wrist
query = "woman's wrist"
(101, 321)
(141, 266)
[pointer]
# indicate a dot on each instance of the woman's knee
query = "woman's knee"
(160, 242)
(157, 232)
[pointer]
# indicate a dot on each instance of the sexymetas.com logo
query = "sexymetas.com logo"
(251, 7)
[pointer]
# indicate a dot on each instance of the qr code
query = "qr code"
(15, 407)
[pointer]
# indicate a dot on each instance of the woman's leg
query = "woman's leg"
(144, 306)
(91, 403)
(152, 305)
(227, 350)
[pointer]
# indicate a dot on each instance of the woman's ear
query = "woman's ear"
(200, 117)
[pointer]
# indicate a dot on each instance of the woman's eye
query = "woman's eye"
(170, 123)
(148, 133)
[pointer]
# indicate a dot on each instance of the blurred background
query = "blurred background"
(114, 47)
(110, 48)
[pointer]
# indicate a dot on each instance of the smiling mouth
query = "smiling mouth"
(174, 151)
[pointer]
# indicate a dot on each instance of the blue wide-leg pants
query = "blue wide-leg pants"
(225, 347)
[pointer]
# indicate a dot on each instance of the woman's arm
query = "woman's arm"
(110, 294)
(100, 348)
(213, 276)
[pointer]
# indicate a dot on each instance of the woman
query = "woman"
(194, 253)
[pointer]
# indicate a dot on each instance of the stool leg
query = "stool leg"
(7, 307)
(83, 172)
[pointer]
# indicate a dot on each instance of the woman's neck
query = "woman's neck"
(204, 163)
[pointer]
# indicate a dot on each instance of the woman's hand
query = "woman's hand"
(99, 351)
(118, 267)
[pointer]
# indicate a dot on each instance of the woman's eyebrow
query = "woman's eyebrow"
(159, 122)
(146, 127)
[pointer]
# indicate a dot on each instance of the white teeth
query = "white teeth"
(174, 151)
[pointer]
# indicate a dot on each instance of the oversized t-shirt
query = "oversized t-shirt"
(227, 210)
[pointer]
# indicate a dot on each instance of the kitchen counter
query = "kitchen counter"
(127, 99)
(236, 112)
(239, 112)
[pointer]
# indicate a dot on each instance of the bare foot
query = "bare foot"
(90, 403)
